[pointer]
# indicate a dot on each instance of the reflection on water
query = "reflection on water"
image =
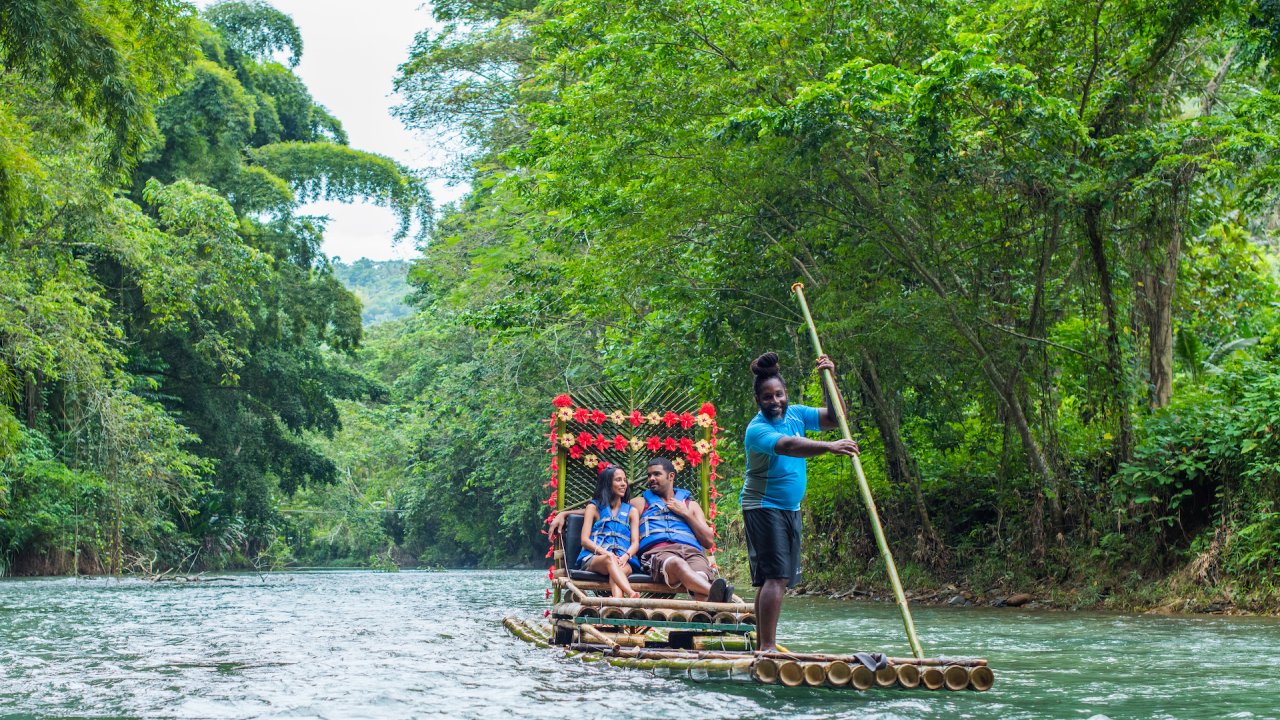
(372, 645)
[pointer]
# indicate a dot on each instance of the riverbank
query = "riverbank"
(1170, 595)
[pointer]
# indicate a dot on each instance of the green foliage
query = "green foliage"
(329, 171)
(255, 29)
(381, 287)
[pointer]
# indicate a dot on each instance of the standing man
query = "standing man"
(776, 448)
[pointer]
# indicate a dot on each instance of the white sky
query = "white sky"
(351, 50)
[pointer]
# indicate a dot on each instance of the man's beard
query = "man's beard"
(774, 413)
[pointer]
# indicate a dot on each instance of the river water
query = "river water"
(431, 644)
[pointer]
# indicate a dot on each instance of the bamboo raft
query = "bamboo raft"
(700, 662)
(689, 638)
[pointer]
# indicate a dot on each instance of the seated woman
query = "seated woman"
(611, 532)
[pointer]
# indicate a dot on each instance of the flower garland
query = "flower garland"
(586, 446)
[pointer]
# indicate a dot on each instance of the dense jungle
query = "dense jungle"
(1040, 239)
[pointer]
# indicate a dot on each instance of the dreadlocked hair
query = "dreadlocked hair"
(764, 368)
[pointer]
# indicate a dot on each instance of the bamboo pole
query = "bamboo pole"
(562, 466)
(765, 671)
(908, 675)
(886, 676)
(864, 488)
(932, 677)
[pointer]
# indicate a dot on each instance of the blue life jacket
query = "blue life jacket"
(658, 524)
(611, 531)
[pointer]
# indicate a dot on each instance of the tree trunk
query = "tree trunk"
(1115, 363)
(901, 465)
(1158, 283)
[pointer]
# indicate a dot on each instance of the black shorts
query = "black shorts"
(773, 544)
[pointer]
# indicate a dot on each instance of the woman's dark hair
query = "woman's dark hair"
(764, 368)
(604, 488)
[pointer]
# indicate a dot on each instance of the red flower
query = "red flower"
(546, 613)
(598, 417)
(551, 575)
(714, 459)
(575, 452)
(585, 438)
(551, 501)
(670, 418)
(555, 464)
(548, 597)
(549, 552)
(602, 442)
(602, 465)
(554, 483)
(694, 456)
(714, 492)
(636, 418)
(581, 415)
(707, 409)
(686, 420)
(712, 515)
(654, 443)
(670, 444)
(619, 443)
(686, 445)
(562, 401)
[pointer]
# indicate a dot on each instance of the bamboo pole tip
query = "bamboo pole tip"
(795, 286)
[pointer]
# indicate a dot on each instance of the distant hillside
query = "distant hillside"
(380, 285)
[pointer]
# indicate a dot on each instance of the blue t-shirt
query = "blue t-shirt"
(773, 480)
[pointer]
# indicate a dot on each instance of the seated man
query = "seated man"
(673, 533)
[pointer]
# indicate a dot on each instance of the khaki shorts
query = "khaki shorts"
(655, 561)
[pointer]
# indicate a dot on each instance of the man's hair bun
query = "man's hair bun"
(765, 366)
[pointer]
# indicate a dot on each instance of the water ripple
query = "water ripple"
(370, 645)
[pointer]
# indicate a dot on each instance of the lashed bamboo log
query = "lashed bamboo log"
(721, 642)
(932, 678)
(790, 673)
(650, 603)
(724, 618)
(861, 678)
(765, 671)
(886, 676)
(908, 675)
(955, 677)
(828, 657)
(522, 631)
(839, 673)
(594, 635)
(700, 616)
(629, 640)
(613, 612)
(981, 678)
(566, 609)
(637, 614)
(815, 674)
